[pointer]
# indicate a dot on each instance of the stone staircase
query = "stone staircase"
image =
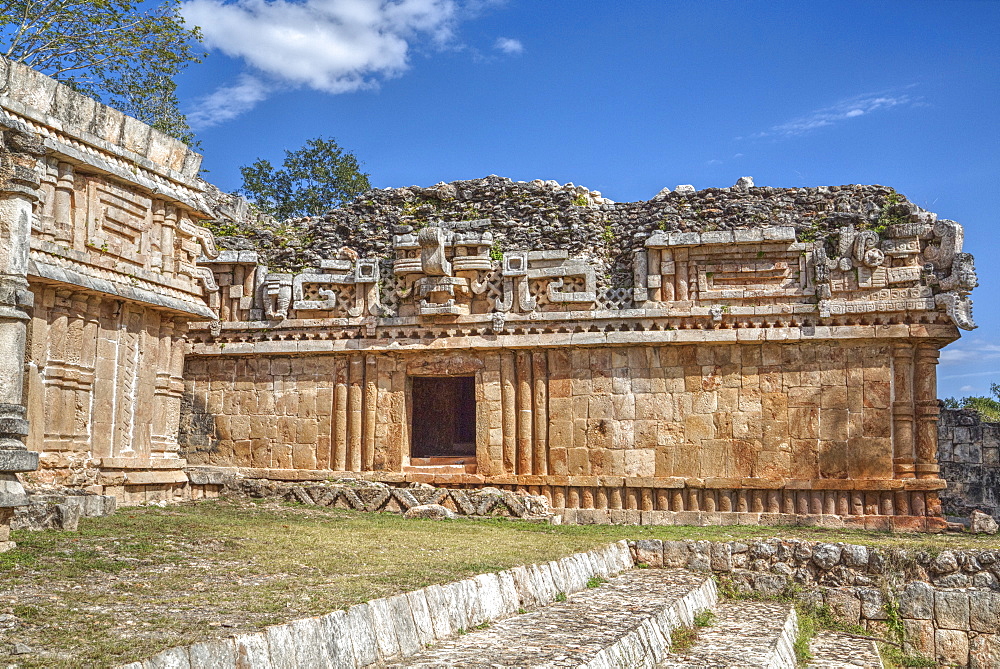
(625, 622)
(744, 634)
(628, 621)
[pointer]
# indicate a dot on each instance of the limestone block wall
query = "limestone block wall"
(723, 429)
(104, 384)
(968, 451)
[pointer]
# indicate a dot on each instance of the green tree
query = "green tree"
(988, 408)
(312, 180)
(121, 52)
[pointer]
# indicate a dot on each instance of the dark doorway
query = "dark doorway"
(444, 417)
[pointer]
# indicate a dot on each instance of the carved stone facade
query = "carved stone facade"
(752, 374)
(99, 245)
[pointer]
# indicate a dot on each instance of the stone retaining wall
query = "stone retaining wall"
(948, 602)
(969, 455)
(392, 628)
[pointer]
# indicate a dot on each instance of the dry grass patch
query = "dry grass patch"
(127, 586)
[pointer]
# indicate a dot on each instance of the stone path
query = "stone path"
(623, 623)
(744, 634)
(833, 650)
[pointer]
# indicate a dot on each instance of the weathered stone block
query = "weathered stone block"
(984, 611)
(252, 650)
(420, 609)
(173, 658)
(951, 609)
(916, 601)
(984, 651)
(337, 636)
(951, 647)
(384, 629)
(844, 604)
(214, 654)
(919, 636)
(650, 552)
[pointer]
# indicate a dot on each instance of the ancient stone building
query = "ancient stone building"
(98, 282)
(727, 355)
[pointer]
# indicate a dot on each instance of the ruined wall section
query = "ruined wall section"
(542, 215)
(114, 238)
(969, 453)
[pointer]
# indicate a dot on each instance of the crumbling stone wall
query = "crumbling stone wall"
(969, 453)
(547, 215)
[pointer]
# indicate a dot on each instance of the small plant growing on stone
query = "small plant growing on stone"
(581, 200)
(496, 251)
(561, 597)
(704, 618)
(682, 639)
(608, 235)
(596, 581)
(521, 611)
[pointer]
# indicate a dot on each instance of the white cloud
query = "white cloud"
(334, 46)
(228, 102)
(509, 46)
(972, 350)
(967, 389)
(843, 110)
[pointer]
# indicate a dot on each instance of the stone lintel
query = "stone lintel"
(142, 463)
(155, 477)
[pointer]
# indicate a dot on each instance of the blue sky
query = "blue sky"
(627, 98)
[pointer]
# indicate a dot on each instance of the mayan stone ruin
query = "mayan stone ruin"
(98, 264)
(727, 355)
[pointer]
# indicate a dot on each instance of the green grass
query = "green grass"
(684, 637)
(129, 585)
(704, 618)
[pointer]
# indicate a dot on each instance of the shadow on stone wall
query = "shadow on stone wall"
(969, 455)
(197, 435)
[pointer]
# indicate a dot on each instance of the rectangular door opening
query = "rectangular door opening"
(444, 417)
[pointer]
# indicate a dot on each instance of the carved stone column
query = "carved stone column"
(902, 411)
(926, 404)
(19, 183)
(163, 412)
